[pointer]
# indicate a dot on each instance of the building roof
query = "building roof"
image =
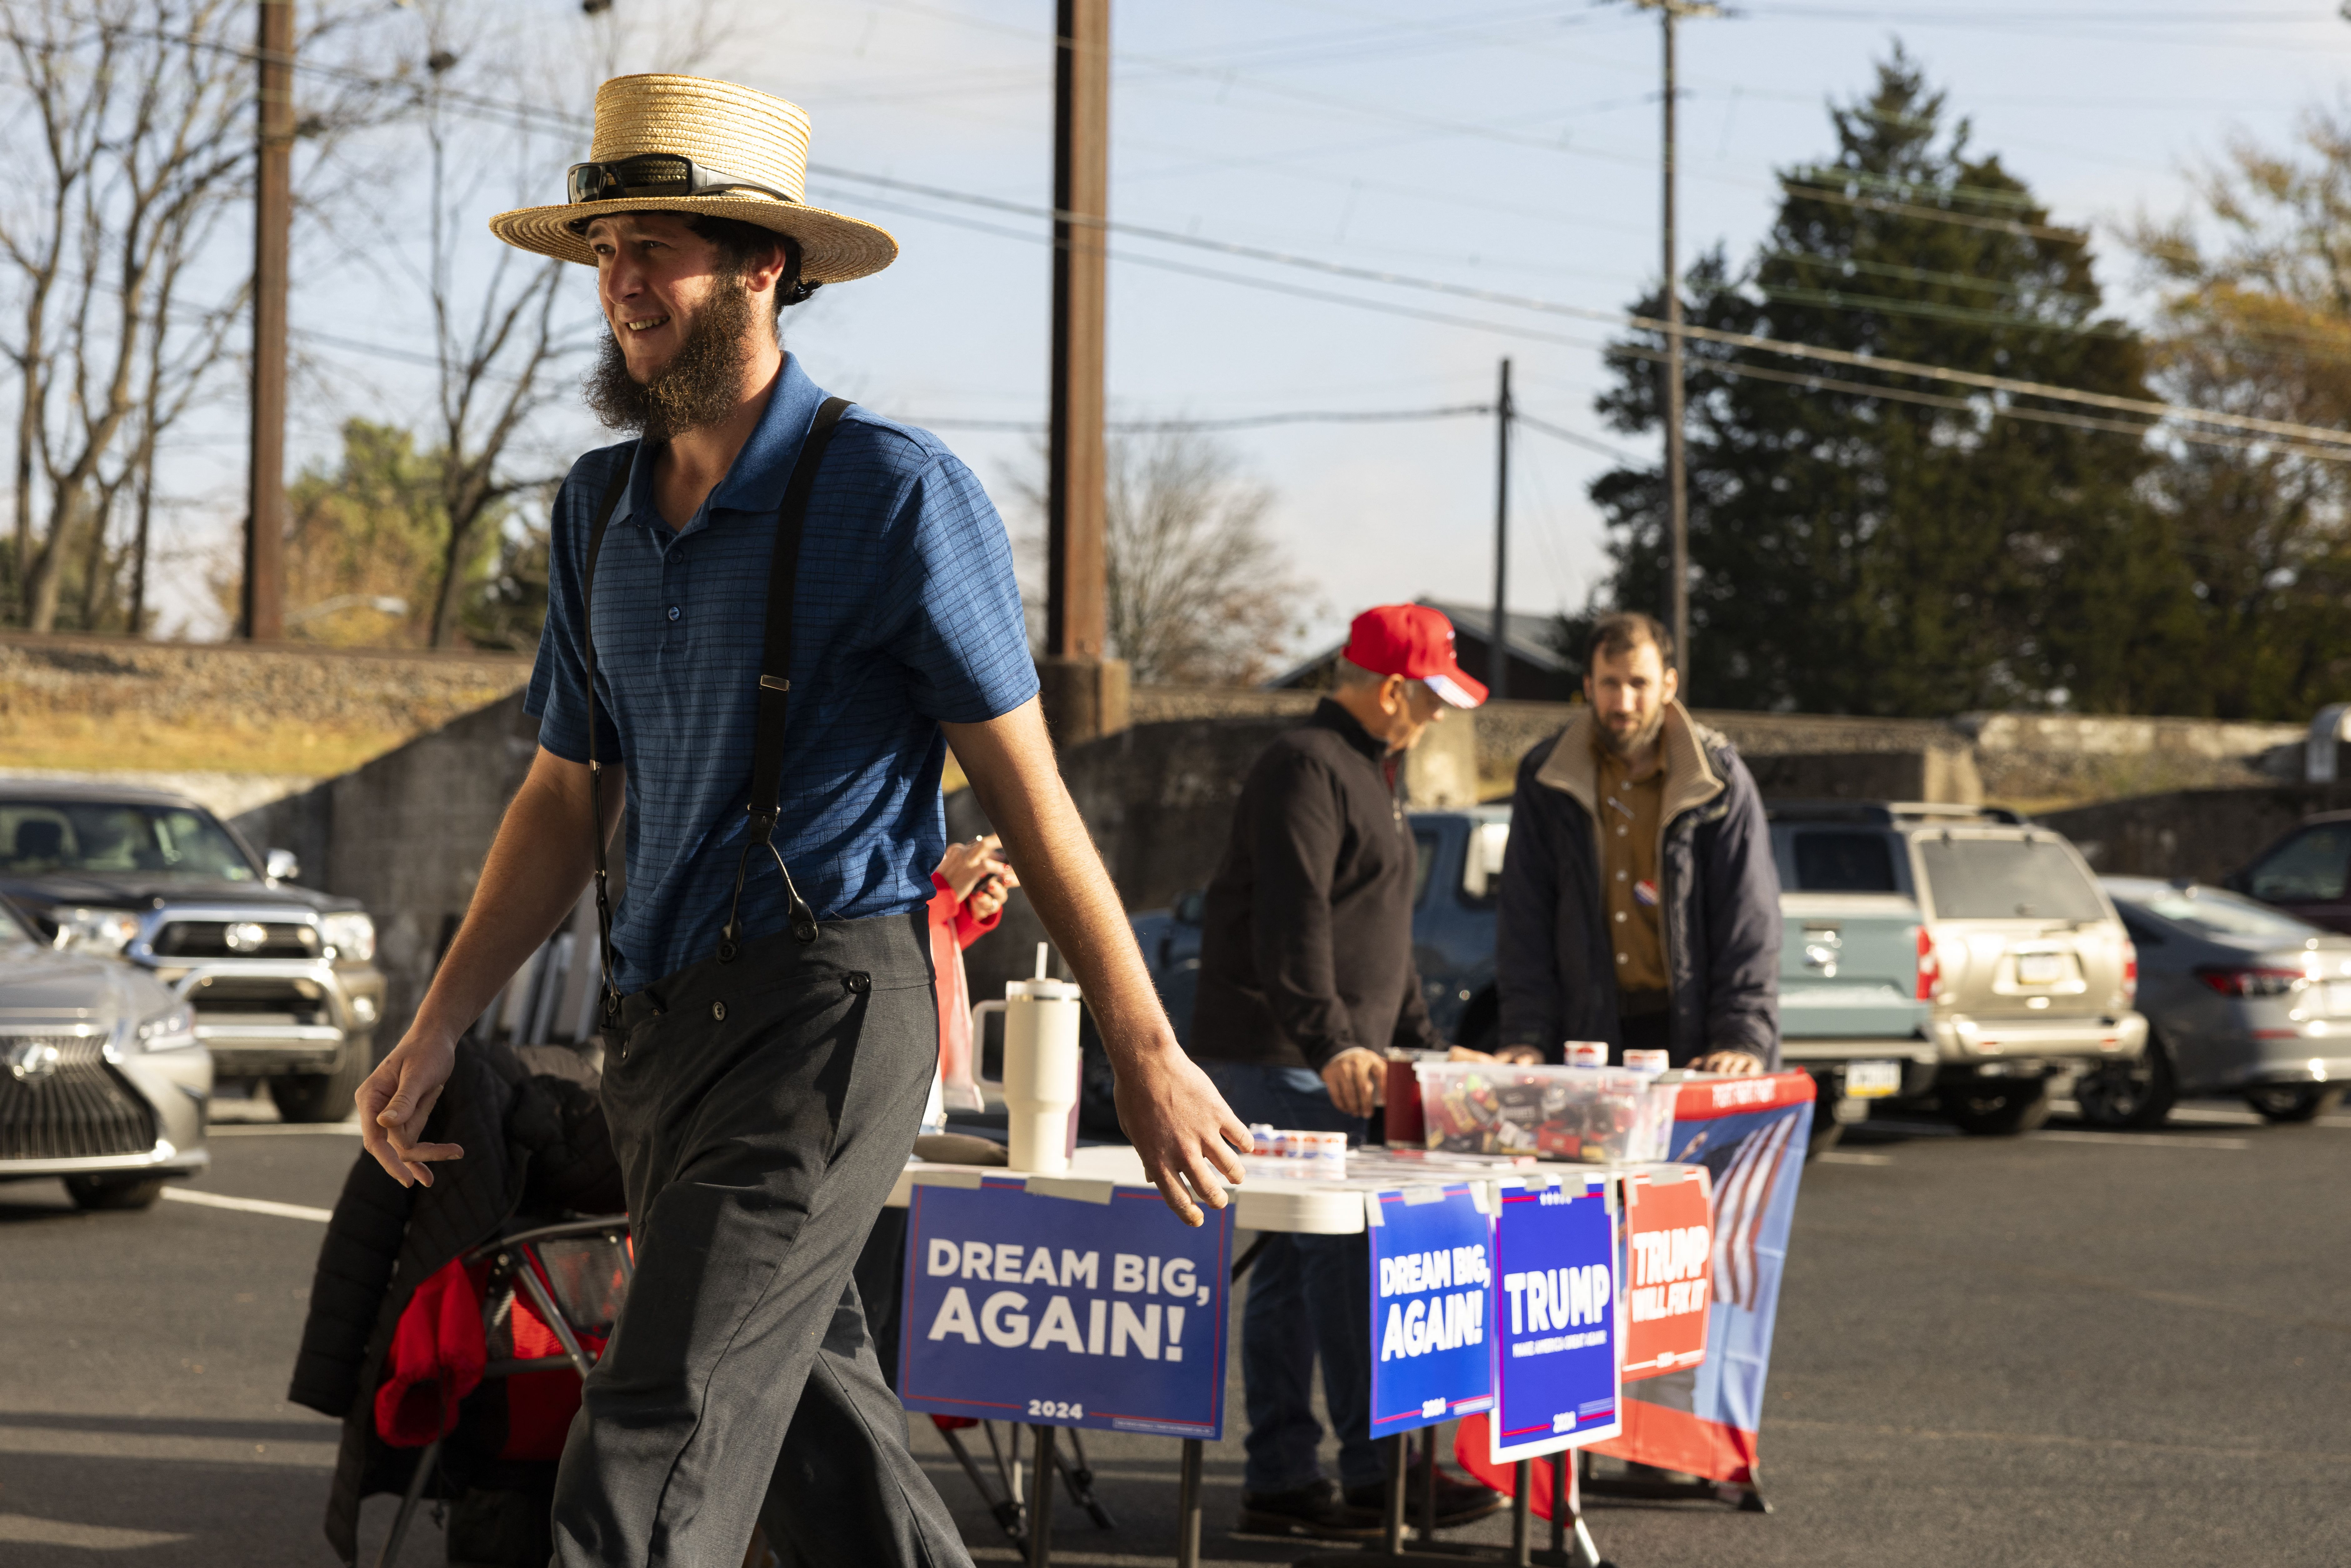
(1529, 639)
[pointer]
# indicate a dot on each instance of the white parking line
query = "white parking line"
(2141, 1140)
(248, 1205)
(1848, 1157)
(279, 1129)
(24, 1529)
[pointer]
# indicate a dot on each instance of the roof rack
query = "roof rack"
(1886, 813)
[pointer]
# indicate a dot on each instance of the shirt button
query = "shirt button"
(1620, 917)
(1620, 876)
(1620, 831)
(674, 614)
(1623, 959)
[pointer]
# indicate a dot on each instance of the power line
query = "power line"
(2011, 386)
(1244, 421)
(2331, 452)
(1613, 453)
(2310, 436)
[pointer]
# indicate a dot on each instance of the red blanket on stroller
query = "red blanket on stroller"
(439, 1351)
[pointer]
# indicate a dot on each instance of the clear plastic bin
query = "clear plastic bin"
(1590, 1115)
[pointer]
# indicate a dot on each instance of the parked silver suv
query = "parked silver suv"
(282, 979)
(2028, 966)
(102, 1080)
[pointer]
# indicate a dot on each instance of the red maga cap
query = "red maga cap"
(1415, 642)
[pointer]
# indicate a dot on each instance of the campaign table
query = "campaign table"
(1314, 1207)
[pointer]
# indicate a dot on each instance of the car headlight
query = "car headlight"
(348, 936)
(173, 1030)
(95, 930)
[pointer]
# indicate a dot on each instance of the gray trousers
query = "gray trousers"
(761, 1111)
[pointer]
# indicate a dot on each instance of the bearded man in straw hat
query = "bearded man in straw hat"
(762, 552)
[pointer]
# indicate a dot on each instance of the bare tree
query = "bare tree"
(133, 123)
(1199, 594)
(500, 342)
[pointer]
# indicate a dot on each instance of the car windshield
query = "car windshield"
(114, 838)
(2217, 912)
(1973, 878)
(1844, 861)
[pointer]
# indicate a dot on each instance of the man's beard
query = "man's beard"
(701, 385)
(1626, 748)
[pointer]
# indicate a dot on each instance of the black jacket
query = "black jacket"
(1306, 947)
(1718, 888)
(535, 1141)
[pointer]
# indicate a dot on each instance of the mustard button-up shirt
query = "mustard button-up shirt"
(1628, 825)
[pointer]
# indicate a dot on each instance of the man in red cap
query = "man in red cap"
(1306, 977)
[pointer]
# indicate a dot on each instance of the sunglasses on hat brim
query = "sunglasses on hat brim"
(654, 174)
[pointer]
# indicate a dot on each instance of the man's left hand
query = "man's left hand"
(1354, 1078)
(1737, 1063)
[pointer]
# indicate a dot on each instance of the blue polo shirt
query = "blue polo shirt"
(905, 614)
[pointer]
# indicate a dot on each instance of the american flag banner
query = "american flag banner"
(1750, 1135)
(1742, 1195)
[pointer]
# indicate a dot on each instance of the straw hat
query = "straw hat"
(754, 138)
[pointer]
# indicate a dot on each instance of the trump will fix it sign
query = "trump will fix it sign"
(1667, 1271)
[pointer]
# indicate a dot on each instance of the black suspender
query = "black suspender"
(775, 685)
(612, 999)
(774, 695)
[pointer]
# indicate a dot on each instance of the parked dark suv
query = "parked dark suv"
(282, 979)
(2307, 872)
(1455, 885)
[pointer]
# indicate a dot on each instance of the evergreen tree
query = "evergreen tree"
(1857, 552)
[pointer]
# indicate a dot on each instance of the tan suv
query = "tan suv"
(2018, 949)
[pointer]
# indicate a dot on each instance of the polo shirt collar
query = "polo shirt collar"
(756, 481)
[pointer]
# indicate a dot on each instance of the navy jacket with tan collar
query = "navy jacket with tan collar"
(1719, 894)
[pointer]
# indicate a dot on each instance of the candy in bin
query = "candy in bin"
(1584, 1114)
(1461, 1113)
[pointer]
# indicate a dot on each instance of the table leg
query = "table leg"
(1040, 1501)
(1521, 1514)
(1394, 1534)
(1187, 1507)
(1428, 1483)
(1562, 1468)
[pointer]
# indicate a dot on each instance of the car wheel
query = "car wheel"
(323, 1096)
(1999, 1108)
(100, 1192)
(2129, 1096)
(1827, 1130)
(2286, 1103)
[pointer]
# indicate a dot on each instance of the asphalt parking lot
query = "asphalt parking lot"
(2072, 1348)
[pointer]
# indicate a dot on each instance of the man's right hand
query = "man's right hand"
(1356, 1077)
(398, 1097)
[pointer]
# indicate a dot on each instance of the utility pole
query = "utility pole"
(1497, 657)
(1676, 465)
(264, 609)
(1085, 695)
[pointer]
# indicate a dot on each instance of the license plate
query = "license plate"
(2039, 968)
(1872, 1080)
(2336, 999)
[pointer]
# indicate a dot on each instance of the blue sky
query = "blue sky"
(1511, 147)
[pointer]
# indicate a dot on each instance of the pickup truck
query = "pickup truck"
(1884, 992)
(281, 979)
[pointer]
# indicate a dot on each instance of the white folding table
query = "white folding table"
(1298, 1206)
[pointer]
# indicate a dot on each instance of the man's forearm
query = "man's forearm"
(532, 879)
(1010, 764)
